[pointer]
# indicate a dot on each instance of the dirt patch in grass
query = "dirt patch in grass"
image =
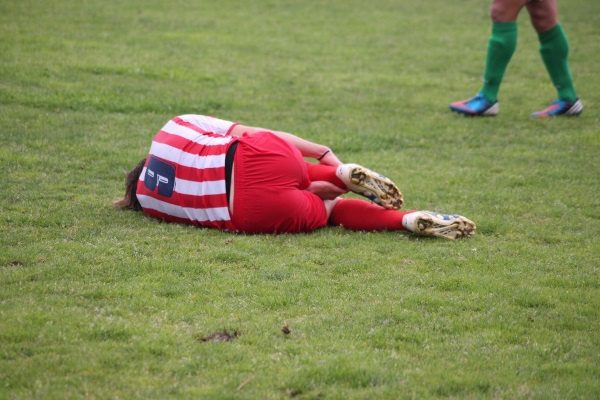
(223, 336)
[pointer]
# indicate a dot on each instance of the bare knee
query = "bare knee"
(543, 14)
(329, 205)
(505, 10)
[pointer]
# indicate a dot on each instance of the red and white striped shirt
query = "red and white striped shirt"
(184, 176)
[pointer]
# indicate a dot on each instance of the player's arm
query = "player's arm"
(308, 149)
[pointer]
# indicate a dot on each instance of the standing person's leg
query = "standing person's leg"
(501, 46)
(554, 49)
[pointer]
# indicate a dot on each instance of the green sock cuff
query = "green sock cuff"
(502, 27)
(551, 34)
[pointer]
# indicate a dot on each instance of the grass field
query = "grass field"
(98, 304)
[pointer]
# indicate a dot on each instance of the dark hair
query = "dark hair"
(130, 201)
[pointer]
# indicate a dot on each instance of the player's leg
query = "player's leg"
(269, 182)
(359, 215)
(375, 187)
(501, 46)
(321, 172)
(554, 49)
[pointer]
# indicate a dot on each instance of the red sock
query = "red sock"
(360, 215)
(320, 172)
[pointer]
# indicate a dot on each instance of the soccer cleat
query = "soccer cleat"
(377, 188)
(477, 105)
(449, 226)
(560, 107)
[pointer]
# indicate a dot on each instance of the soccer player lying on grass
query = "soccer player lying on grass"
(218, 174)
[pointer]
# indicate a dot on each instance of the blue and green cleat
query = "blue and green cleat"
(560, 107)
(476, 106)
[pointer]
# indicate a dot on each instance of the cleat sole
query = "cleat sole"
(378, 188)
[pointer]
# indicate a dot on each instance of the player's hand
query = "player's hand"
(325, 190)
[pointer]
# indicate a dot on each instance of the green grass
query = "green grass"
(97, 303)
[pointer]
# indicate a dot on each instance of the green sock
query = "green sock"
(554, 49)
(501, 46)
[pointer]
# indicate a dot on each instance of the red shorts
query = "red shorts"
(269, 179)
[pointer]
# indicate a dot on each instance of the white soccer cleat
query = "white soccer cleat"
(377, 188)
(449, 226)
